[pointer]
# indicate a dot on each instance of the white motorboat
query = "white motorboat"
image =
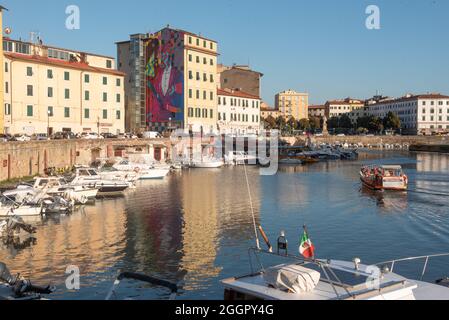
(143, 171)
(9, 208)
(208, 163)
(91, 178)
(316, 279)
(54, 186)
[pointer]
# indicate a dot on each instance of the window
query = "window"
(50, 92)
(212, 78)
(197, 59)
(86, 95)
(49, 74)
(29, 90)
(105, 97)
(118, 98)
(211, 46)
(197, 94)
(212, 95)
(50, 112)
(204, 113)
(190, 112)
(22, 48)
(197, 112)
(66, 76)
(6, 67)
(118, 115)
(204, 61)
(190, 58)
(219, 116)
(118, 82)
(190, 75)
(67, 93)
(108, 64)
(105, 80)
(7, 109)
(29, 71)
(57, 54)
(6, 87)
(86, 78)
(190, 93)
(66, 112)
(197, 42)
(204, 95)
(190, 40)
(204, 77)
(29, 111)
(211, 62)
(204, 44)
(7, 46)
(211, 113)
(105, 114)
(86, 113)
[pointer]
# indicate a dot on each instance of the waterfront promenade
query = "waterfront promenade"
(25, 159)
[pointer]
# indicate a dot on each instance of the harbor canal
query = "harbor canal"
(195, 227)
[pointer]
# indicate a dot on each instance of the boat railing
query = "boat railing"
(426, 260)
(322, 264)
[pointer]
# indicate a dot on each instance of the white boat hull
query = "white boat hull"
(23, 211)
(154, 174)
(207, 165)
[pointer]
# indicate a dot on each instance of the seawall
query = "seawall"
(23, 159)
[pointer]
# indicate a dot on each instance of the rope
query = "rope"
(252, 207)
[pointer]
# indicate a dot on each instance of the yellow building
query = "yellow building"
(49, 89)
(293, 104)
(353, 108)
(2, 129)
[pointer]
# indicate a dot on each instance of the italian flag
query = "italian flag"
(306, 249)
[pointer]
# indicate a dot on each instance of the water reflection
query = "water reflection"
(194, 228)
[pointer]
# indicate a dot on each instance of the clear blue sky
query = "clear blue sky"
(321, 47)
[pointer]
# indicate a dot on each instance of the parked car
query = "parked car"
(22, 138)
(4, 137)
(130, 136)
(39, 137)
(108, 135)
(64, 135)
(91, 136)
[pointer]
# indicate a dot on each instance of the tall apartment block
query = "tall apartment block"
(293, 104)
(176, 81)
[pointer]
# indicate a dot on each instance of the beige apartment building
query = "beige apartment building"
(353, 108)
(293, 104)
(238, 112)
(49, 89)
(2, 128)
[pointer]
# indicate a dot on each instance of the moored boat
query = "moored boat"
(387, 177)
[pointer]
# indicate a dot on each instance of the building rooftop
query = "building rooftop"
(411, 97)
(317, 107)
(236, 93)
(345, 101)
(61, 63)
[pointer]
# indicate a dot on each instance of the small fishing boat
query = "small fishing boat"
(389, 177)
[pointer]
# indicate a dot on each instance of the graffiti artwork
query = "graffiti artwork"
(165, 77)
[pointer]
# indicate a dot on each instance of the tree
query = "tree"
(270, 122)
(392, 121)
(345, 122)
(375, 124)
(333, 123)
(304, 124)
(315, 123)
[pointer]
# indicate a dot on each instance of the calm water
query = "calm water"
(195, 228)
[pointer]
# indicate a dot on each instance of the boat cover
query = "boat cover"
(293, 278)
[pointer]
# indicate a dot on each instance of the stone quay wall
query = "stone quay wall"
(25, 159)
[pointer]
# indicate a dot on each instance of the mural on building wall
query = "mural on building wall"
(165, 77)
